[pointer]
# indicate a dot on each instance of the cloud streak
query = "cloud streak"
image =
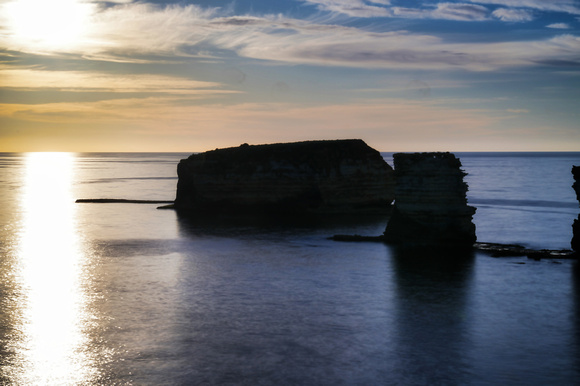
(445, 11)
(356, 48)
(513, 10)
(566, 6)
(91, 82)
(354, 8)
(558, 26)
(513, 15)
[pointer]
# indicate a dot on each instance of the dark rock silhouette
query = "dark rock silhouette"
(430, 201)
(575, 243)
(576, 184)
(341, 176)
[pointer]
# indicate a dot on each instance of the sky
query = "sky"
(189, 76)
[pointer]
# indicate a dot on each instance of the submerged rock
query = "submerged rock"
(575, 243)
(341, 176)
(430, 201)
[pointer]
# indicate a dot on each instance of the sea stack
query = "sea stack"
(430, 201)
(575, 244)
(340, 176)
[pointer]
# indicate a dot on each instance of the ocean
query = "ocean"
(126, 294)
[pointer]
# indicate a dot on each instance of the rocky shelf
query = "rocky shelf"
(494, 249)
(119, 201)
(510, 250)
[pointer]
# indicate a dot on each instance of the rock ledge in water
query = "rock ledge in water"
(341, 176)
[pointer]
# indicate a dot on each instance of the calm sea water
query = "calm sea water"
(125, 294)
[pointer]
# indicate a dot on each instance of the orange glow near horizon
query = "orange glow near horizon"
(156, 125)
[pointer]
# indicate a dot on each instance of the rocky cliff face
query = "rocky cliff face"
(576, 226)
(343, 176)
(430, 201)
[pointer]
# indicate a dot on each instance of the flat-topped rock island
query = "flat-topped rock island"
(336, 176)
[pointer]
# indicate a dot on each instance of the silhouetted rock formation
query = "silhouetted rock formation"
(576, 226)
(342, 176)
(430, 201)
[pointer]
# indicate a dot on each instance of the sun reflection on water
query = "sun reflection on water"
(50, 258)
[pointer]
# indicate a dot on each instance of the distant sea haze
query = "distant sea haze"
(127, 294)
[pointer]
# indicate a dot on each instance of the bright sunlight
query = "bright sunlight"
(51, 351)
(48, 25)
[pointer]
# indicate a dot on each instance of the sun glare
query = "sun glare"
(51, 25)
(50, 259)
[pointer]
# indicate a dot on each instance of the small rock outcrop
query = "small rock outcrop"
(341, 176)
(575, 243)
(430, 201)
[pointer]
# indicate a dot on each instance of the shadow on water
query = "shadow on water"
(230, 225)
(273, 306)
(576, 295)
(432, 287)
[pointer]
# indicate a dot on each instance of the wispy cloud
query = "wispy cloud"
(444, 11)
(86, 81)
(367, 9)
(137, 28)
(558, 26)
(354, 8)
(356, 48)
(135, 32)
(513, 15)
(567, 6)
(460, 12)
(123, 30)
(512, 11)
(440, 10)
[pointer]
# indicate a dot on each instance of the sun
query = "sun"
(48, 25)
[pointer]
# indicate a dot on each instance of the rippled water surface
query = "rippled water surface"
(94, 294)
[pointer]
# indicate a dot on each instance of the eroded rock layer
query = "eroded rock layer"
(430, 201)
(575, 244)
(342, 176)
